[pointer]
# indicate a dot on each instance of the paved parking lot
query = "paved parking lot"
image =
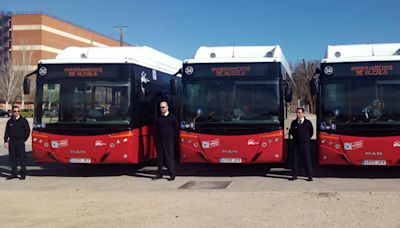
(57, 195)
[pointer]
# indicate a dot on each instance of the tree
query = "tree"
(22, 66)
(302, 74)
(12, 72)
(10, 83)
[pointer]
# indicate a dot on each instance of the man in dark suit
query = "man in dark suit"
(302, 130)
(16, 133)
(167, 128)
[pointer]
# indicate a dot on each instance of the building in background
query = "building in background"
(26, 38)
(5, 33)
(44, 36)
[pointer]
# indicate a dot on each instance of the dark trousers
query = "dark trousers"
(304, 151)
(17, 153)
(166, 156)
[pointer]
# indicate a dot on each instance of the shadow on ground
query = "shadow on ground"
(148, 170)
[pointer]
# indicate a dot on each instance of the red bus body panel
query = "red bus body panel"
(355, 150)
(255, 148)
(132, 146)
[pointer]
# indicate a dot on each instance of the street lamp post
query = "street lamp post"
(120, 29)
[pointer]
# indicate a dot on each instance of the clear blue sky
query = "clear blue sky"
(178, 27)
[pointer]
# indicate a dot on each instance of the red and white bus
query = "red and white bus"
(97, 105)
(233, 105)
(359, 105)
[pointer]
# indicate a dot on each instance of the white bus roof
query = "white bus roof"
(240, 54)
(362, 53)
(143, 56)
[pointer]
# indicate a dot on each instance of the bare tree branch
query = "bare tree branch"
(9, 82)
(12, 72)
(302, 73)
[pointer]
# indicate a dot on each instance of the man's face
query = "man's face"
(163, 107)
(300, 114)
(15, 112)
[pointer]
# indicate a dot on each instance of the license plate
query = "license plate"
(230, 160)
(80, 160)
(374, 162)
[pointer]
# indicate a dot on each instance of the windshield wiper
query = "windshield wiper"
(347, 122)
(365, 122)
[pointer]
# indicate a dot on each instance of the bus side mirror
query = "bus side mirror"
(314, 84)
(288, 94)
(141, 94)
(173, 86)
(27, 86)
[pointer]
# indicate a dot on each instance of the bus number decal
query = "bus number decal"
(354, 145)
(210, 144)
(59, 144)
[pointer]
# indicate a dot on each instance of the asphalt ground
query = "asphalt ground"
(63, 195)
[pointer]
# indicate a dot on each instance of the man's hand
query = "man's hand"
(6, 145)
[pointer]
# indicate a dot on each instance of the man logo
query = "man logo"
(189, 70)
(328, 70)
(43, 71)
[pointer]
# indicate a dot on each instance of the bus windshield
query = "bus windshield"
(355, 102)
(84, 103)
(231, 102)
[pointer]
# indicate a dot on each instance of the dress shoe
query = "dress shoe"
(171, 178)
(156, 177)
(11, 177)
(22, 178)
(309, 179)
(292, 178)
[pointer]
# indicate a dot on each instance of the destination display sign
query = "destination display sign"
(55, 71)
(83, 71)
(231, 70)
(360, 69)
